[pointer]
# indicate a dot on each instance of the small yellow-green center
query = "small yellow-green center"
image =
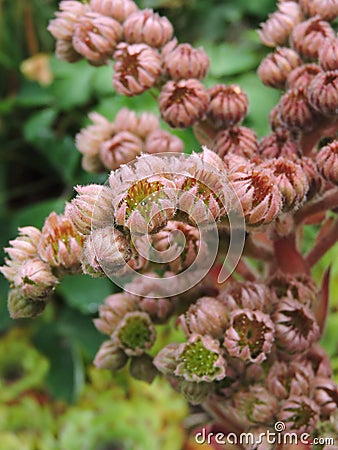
(198, 360)
(135, 333)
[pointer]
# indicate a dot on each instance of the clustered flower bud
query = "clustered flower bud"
(228, 105)
(279, 144)
(276, 67)
(117, 9)
(327, 161)
(236, 140)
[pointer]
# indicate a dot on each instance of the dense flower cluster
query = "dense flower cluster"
(251, 355)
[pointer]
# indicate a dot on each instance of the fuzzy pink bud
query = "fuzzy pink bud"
(63, 26)
(228, 105)
(241, 141)
(327, 161)
(326, 9)
(323, 93)
(295, 111)
(275, 68)
(89, 139)
(161, 141)
(120, 149)
(185, 61)
(328, 54)
(117, 9)
(309, 36)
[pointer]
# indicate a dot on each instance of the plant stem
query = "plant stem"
(323, 245)
(328, 201)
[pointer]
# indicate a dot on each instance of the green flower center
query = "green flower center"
(199, 361)
(136, 333)
(302, 415)
(143, 194)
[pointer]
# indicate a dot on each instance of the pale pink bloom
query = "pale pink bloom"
(295, 111)
(279, 143)
(328, 54)
(91, 208)
(323, 93)
(96, 36)
(137, 68)
(109, 356)
(275, 68)
(127, 120)
(35, 279)
(259, 196)
(63, 26)
(296, 326)
(147, 124)
(302, 76)
(161, 141)
(120, 149)
(228, 105)
(327, 161)
(250, 335)
(208, 316)
(290, 179)
(326, 9)
(182, 103)
(112, 311)
(276, 30)
(299, 414)
(106, 250)
(308, 37)
(117, 9)
(185, 61)
(238, 140)
(60, 244)
(89, 139)
(147, 27)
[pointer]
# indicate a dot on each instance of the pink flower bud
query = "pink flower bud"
(296, 326)
(248, 295)
(137, 68)
(96, 36)
(236, 140)
(60, 244)
(147, 27)
(326, 395)
(120, 149)
(91, 208)
(183, 102)
(279, 144)
(323, 92)
(328, 54)
(290, 180)
(275, 68)
(326, 9)
(208, 316)
(21, 307)
(276, 30)
(327, 162)
(294, 378)
(127, 120)
(161, 141)
(147, 205)
(309, 36)
(112, 311)
(200, 359)
(106, 249)
(295, 111)
(185, 61)
(259, 196)
(110, 357)
(35, 280)
(228, 105)
(302, 76)
(117, 9)
(166, 360)
(299, 413)
(89, 140)
(135, 334)
(63, 26)
(313, 175)
(65, 51)
(250, 336)
(297, 287)
(142, 368)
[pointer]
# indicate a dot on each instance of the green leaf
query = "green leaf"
(35, 214)
(85, 293)
(103, 80)
(32, 94)
(38, 125)
(230, 59)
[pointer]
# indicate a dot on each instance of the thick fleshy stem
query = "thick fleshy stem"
(309, 140)
(288, 259)
(327, 238)
(327, 202)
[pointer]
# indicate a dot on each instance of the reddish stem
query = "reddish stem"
(328, 201)
(324, 244)
(288, 258)
(309, 140)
